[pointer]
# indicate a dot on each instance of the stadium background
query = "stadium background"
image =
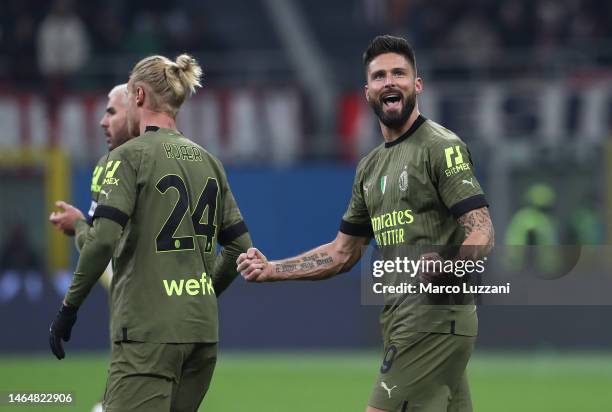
(527, 84)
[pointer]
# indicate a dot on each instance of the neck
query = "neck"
(391, 134)
(159, 119)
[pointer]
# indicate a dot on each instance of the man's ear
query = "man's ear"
(367, 96)
(140, 95)
(418, 85)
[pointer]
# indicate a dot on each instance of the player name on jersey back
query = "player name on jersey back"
(182, 152)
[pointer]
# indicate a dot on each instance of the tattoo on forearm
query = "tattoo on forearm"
(284, 268)
(477, 220)
(324, 261)
(307, 262)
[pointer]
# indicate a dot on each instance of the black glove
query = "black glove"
(61, 328)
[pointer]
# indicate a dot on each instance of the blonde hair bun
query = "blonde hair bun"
(189, 72)
(170, 82)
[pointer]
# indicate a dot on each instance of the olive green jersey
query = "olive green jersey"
(174, 202)
(82, 227)
(410, 192)
(96, 184)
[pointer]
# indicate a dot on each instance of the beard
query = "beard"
(394, 120)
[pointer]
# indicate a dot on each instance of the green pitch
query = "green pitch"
(336, 381)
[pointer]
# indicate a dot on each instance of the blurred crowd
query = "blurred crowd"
(505, 24)
(499, 39)
(41, 39)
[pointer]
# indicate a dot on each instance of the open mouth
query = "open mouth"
(392, 100)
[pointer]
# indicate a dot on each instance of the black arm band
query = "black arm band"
(111, 213)
(356, 229)
(232, 232)
(466, 205)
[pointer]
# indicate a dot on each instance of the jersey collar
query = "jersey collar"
(151, 129)
(417, 123)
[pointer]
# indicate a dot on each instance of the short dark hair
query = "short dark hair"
(389, 44)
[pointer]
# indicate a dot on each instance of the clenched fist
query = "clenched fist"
(254, 266)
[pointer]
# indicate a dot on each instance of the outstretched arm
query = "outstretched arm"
(323, 262)
(225, 271)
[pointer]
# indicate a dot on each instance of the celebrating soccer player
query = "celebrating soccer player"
(417, 188)
(164, 204)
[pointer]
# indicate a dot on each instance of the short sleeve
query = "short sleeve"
(452, 166)
(356, 220)
(118, 190)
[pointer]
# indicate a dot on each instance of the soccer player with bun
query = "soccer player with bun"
(416, 189)
(71, 220)
(167, 204)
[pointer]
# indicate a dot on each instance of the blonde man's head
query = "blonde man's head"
(167, 83)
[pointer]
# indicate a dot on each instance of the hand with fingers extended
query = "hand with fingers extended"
(65, 219)
(254, 266)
